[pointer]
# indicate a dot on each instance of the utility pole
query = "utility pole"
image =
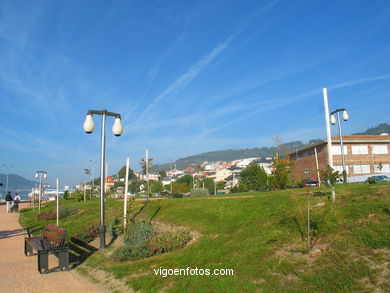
(147, 171)
(327, 121)
(171, 177)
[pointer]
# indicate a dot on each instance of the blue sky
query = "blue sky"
(187, 76)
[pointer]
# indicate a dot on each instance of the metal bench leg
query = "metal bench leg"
(43, 262)
(27, 249)
(63, 259)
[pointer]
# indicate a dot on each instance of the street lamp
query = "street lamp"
(40, 175)
(117, 129)
(333, 121)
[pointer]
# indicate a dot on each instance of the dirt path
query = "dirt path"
(18, 273)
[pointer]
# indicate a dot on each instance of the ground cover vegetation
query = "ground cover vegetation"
(294, 240)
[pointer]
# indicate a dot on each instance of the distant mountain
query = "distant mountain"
(15, 182)
(379, 129)
(230, 155)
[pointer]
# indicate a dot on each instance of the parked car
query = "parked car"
(310, 183)
(378, 178)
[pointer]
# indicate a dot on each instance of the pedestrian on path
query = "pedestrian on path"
(9, 200)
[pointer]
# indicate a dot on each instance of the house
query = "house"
(245, 162)
(109, 183)
(365, 155)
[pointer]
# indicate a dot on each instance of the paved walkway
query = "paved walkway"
(19, 273)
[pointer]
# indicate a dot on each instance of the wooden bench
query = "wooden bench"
(50, 240)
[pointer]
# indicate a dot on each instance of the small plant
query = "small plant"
(371, 180)
(88, 233)
(330, 177)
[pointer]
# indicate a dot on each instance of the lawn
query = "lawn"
(262, 238)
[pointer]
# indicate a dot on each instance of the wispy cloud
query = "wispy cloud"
(187, 77)
(359, 81)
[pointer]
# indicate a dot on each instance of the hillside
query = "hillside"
(379, 129)
(230, 155)
(16, 182)
(263, 238)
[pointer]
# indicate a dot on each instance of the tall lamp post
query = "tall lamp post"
(6, 184)
(333, 121)
(117, 129)
(41, 175)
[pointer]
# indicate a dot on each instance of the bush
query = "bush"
(137, 234)
(66, 195)
(168, 241)
(199, 192)
(88, 233)
(80, 196)
(116, 228)
(66, 212)
(156, 244)
(130, 253)
(371, 180)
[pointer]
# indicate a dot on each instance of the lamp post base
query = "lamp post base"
(102, 230)
(345, 177)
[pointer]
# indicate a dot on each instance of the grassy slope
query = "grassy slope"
(260, 239)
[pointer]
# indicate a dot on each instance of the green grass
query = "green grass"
(262, 238)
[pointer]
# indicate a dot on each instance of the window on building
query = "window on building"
(336, 149)
(385, 168)
(340, 169)
(359, 149)
(380, 149)
(361, 169)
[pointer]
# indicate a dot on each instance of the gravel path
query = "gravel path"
(19, 273)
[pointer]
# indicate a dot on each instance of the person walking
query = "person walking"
(9, 200)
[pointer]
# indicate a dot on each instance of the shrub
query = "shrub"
(88, 233)
(137, 234)
(371, 180)
(199, 192)
(128, 252)
(168, 241)
(116, 228)
(80, 196)
(66, 212)
(66, 195)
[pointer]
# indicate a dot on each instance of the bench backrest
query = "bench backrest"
(56, 235)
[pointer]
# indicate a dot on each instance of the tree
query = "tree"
(281, 173)
(186, 179)
(143, 165)
(253, 177)
(180, 188)
(221, 184)
(134, 186)
(162, 174)
(122, 173)
(208, 184)
(156, 186)
(330, 176)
